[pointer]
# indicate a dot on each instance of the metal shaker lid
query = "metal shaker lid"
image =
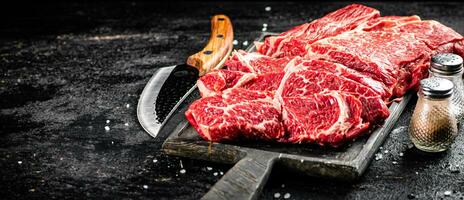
(437, 87)
(446, 63)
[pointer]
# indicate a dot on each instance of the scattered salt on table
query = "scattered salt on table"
(378, 156)
(287, 195)
(276, 195)
(107, 128)
(267, 8)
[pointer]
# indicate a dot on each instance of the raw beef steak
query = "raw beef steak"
(386, 56)
(236, 113)
(432, 33)
(398, 56)
(294, 41)
(301, 80)
(329, 118)
(341, 70)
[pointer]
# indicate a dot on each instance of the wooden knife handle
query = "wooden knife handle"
(218, 48)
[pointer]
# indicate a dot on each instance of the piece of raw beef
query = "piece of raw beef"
(294, 41)
(329, 118)
(307, 79)
(236, 113)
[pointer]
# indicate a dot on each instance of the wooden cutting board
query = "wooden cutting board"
(254, 160)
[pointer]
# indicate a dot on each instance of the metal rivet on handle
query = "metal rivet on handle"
(220, 36)
(221, 19)
(208, 52)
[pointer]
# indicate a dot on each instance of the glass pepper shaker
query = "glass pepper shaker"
(449, 66)
(433, 126)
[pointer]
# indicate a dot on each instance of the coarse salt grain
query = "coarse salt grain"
(378, 156)
(245, 43)
(287, 195)
(235, 42)
(107, 128)
(107, 121)
(126, 124)
(145, 186)
(267, 8)
(127, 105)
(276, 195)
(182, 171)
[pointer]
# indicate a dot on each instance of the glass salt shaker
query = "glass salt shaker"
(449, 66)
(433, 126)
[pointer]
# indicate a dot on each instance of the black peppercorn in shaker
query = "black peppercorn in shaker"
(433, 125)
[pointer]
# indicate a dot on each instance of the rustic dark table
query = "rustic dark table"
(65, 69)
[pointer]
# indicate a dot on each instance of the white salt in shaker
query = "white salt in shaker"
(433, 126)
(449, 66)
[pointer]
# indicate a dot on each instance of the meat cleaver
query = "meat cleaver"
(169, 86)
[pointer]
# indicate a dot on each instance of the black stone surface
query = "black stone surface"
(66, 68)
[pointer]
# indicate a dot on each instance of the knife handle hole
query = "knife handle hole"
(208, 52)
(220, 36)
(221, 19)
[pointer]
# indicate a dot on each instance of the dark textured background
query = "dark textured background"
(67, 68)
